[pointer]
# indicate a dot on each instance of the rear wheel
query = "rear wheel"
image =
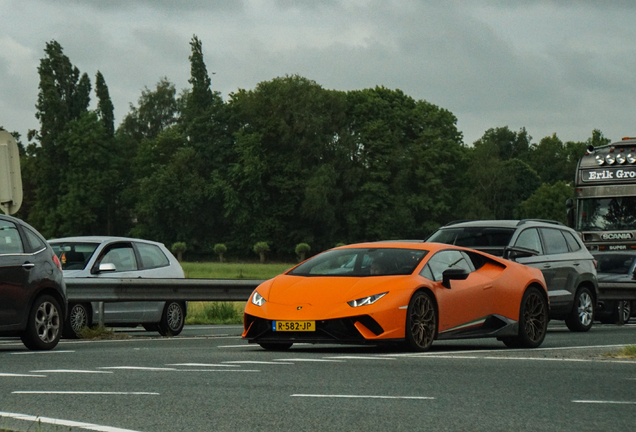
(44, 328)
(533, 321)
(276, 346)
(421, 322)
(79, 316)
(172, 319)
(582, 315)
(627, 312)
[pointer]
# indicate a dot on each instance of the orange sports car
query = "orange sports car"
(399, 291)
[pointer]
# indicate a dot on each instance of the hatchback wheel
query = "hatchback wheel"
(421, 322)
(79, 316)
(172, 319)
(582, 315)
(44, 328)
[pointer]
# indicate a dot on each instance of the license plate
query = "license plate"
(293, 326)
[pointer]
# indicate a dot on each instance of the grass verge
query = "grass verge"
(628, 351)
(215, 313)
(100, 332)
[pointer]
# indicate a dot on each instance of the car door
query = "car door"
(467, 301)
(15, 268)
(122, 255)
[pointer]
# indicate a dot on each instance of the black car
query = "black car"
(567, 266)
(32, 291)
(616, 267)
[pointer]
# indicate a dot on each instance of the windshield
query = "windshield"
(361, 262)
(600, 214)
(616, 263)
(74, 256)
(474, 237)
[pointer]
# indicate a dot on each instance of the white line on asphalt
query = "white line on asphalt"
(199, 364)
(218, 370)
(66, 423)
(138, 368)
(309, 360)
(465, 357)
(71, 371)
(257, 362)
(237, 346)
(21, 375)
(604, 402)
(363, 397)
(360, 358)
(85, 392)
(42, 352)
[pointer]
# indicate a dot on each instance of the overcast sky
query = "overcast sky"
(562, 66)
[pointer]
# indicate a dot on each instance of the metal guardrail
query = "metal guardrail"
(120, 290)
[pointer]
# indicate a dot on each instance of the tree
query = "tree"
(508, 144)
(261, 248)
(547, 202)
(179, 248)
(220, 250)
(105, 108)
(302, 249)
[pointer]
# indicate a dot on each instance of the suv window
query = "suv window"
(10, 242)
(554, 241)
(572, 243)
(529, 239)
(443, 261)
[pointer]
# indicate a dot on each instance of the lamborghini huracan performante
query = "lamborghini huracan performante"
(406, 292)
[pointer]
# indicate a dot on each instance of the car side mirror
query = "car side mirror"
(107, 267)
(453, 274)
(513, 252)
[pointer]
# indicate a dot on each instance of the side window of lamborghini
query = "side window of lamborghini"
(444, 260)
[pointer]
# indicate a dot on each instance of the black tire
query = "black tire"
(172, 319)
(45, 325)
(276, 346)
(627, 312)
(581, 317)
(79, 316)
(533, 321)
(421, 322)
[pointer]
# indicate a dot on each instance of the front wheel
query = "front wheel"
(533, 321)
(172, 319)
(44, 328)
(79, 316)
(421, 322)
(582, 315)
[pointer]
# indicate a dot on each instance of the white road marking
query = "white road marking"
(66, 423)
(360, 358)
(363, 397)
(85, 392)
(257, 362)
(466, 357)
(604, 402)
(309, 360)
(42, 352)
(200, 364)
(71, 371)
(21, 375)
(218, 370)
(238, 346)
(138, 368)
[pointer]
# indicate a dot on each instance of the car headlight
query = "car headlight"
(258, 299)
(366, 300)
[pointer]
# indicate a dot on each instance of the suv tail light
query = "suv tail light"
(57, 262)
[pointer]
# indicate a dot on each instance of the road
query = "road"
(208, 379)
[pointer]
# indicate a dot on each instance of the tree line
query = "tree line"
(288, 162)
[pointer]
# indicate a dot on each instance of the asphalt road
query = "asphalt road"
(208, 379)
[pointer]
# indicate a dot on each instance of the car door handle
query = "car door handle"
(28, 265)
(547, 266)
(576, 264)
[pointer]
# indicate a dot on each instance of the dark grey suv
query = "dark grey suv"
(568, 267)
(32, 290)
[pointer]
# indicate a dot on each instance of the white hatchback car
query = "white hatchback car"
(120, 257)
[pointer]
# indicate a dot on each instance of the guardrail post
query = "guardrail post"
(100, 309)
(621, 311)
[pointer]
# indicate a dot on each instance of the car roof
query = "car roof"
(101, 239)
(504, 223)
(402, 244)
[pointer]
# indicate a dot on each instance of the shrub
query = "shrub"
(261, 248)
(302, 249)
(178, 248)
(220, 249)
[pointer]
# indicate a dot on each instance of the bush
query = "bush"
(261, 248)
(220, 250)
(302, 249)
(178, 248)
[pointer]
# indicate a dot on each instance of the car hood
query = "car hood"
(320, 290)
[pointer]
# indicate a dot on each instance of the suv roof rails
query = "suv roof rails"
(521, 222)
